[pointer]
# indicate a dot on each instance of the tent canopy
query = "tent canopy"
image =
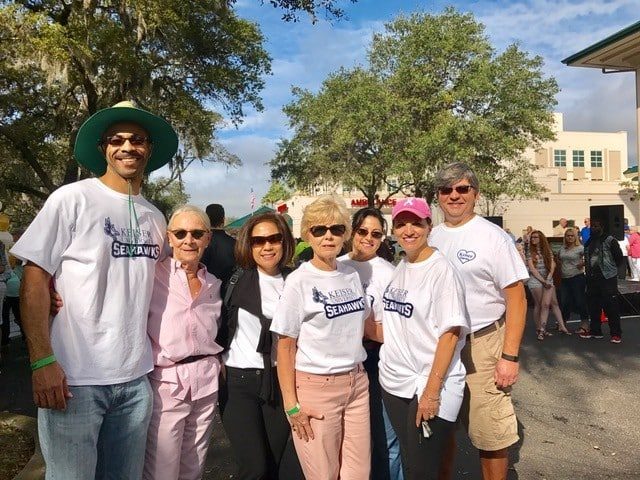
(242, 220)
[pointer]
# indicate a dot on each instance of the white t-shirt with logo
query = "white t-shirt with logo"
(375, 274)
(423, 301)
(242, 349)
(488, 262)
(103, 264)
(325, 311)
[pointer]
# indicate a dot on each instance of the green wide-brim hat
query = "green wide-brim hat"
(163, 137)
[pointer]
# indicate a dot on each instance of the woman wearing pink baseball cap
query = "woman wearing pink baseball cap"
(425, 323)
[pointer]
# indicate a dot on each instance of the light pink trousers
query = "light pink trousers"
(179, 435)
(342, 444)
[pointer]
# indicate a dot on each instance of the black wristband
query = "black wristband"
(511, 358)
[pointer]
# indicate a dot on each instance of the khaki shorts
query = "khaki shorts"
(487, 412)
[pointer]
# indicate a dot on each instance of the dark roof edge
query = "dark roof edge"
(631, 29)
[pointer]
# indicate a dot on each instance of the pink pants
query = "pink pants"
(179, 435)
(342, 444)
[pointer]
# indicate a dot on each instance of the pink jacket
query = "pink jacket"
(634, 245)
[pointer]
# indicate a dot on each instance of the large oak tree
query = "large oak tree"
(192, 61)
(438, 93)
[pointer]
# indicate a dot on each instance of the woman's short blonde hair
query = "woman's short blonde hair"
(204, 218)
(325, 210)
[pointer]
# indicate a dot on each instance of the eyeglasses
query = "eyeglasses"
(118, 141)
(363, 232)
(461, 189)
(321, 230)
(181, 234)
(258, 241)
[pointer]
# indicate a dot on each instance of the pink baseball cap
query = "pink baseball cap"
(417, 206)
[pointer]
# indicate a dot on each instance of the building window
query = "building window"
(559, 158)
(578, 158)
(596, 158)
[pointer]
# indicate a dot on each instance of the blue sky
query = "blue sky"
(304, 54)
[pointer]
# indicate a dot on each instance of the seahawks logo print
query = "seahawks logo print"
(345, 302)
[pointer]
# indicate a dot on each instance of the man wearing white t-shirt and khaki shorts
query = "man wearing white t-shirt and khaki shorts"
(99, 240)
(492, 273)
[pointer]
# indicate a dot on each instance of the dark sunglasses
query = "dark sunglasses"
(363, 232)
(460, 189)
(260, 241)
(321, 230)
(118, 141)
(197, 234)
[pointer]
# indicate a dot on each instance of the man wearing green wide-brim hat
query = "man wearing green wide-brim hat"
(100, 240)
(92, 136)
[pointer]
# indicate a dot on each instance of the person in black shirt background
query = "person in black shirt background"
(218, 256)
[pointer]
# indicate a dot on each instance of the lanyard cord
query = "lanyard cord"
(132, 210)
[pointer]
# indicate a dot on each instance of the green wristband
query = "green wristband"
(294, 410)
(43, 362)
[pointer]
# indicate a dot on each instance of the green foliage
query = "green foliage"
(345, 133)
(165, 194)
(310, 7)
(434, 92)
(62, 61)
(277, 192)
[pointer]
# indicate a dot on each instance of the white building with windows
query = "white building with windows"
(578, 170)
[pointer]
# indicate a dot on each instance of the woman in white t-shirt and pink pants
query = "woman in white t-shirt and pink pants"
(320, 322)
(424, 323)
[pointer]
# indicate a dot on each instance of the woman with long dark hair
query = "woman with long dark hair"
(541, 268)
(368, 228)
(250, 400)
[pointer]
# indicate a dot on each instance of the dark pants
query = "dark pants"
(421, 457)
(259, 433)
(13, 304)
(573, 298)
(385, 450)
(602, 294)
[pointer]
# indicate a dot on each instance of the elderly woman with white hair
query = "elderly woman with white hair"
(320, 322)
(183, 322)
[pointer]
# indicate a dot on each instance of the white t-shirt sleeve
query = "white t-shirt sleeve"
(508, 267)
(49, 235)
(448, 305)
(289, 314)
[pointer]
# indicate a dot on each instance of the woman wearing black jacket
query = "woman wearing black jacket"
(250, 401)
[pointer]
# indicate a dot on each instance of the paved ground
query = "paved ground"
(577, 402)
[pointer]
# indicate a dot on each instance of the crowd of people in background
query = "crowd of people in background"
(590, 261)
(328, 358)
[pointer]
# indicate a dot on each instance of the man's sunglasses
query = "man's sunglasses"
(258, 241)
(321, 230)
(363, 232)
(118, 141)
(461, 189)
(181, 234)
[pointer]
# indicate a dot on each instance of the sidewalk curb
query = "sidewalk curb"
(34, 469)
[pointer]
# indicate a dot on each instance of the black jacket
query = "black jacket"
(243, 291)
(218, 257)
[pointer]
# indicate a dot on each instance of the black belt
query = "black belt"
(488, 329)
(193, 358)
